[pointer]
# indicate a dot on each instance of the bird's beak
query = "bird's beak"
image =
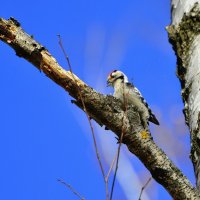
(108, 83)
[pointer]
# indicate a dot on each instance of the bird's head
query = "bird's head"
(114, 76)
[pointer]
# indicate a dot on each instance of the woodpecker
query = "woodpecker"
(128, 93)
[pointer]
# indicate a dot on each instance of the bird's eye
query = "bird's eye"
(112, 75)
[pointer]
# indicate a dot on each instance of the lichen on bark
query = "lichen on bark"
(181, 37)
(184, 38)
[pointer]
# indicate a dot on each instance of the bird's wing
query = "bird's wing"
(152, 117)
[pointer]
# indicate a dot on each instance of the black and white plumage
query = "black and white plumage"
(127, 92)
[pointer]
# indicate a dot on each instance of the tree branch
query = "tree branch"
(72, 189)
(143, 188)
(105, 110)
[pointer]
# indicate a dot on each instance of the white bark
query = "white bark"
(179, 7)
(192, 105)
(184, 35)
(192, 78)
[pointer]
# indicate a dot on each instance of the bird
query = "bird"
(126, 92)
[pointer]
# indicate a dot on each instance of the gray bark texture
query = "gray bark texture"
(185, 39)
(104, 109)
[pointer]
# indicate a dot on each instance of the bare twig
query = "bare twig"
(71, 188)
(111, 167)
(116, 167)
(88, 117)
(143, 188)
(120, 141)
(108, 175)
(107, 190)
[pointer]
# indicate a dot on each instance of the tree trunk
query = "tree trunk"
(104, 109)
(184, 35)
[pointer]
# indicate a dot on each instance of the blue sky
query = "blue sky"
(44, 137)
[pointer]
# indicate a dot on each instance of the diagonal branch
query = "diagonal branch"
(72, 189)
(143, 188)
(105, 110)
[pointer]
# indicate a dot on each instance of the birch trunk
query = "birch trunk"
(184, 35)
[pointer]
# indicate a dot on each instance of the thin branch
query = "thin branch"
(115, 173)
(143, 188)
(111, 167)
(107, 190)
(84, 107)
(108, 175)
(121, 139)
(117, 163)
(72, 189)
